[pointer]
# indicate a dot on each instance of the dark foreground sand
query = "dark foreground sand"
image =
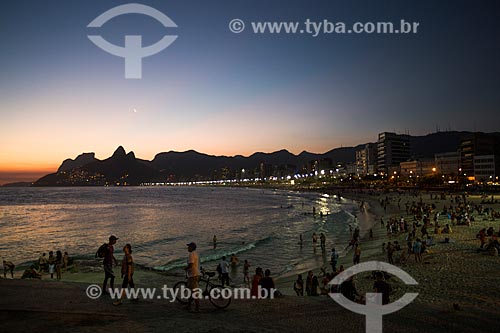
(452, 273)
(63, 307)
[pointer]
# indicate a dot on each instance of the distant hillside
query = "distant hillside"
(17, 184)
(441, 142)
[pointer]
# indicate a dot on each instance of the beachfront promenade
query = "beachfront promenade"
(458, 291)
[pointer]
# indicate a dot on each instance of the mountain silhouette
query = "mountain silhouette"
(125, 169)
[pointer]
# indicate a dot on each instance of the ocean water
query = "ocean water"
(260, 225)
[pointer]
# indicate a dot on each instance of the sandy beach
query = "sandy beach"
(458, 291)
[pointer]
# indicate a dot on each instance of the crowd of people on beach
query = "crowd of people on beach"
(51, 264)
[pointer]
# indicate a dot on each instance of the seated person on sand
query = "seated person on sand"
(482, 236)
(31, 273)
(348, 289)
(494, 243)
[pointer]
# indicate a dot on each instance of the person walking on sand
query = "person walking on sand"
(334, 258)
(314, 239)
(58, 263)
(107, 263)
(390, 253)
(65, 261)
(417, 250)
(214, 240)
(224, 270)
(127, 272)
(193, 274)
(246, 270)
(357, 254)
(322, 239)
(8, 266)
(309, 283)
(42, 262)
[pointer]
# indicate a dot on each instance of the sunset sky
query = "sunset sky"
(223, 93)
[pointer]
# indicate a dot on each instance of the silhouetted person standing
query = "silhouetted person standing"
(8, 266)
(109, 258)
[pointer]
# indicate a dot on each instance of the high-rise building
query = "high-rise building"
(392, 149)
(478, 144)
(366, 159)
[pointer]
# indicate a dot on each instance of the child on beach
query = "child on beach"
(298, 286)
